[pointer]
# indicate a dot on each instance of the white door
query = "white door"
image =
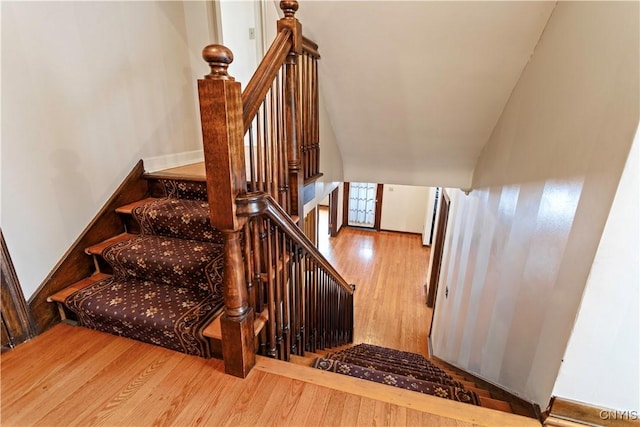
(362, 204)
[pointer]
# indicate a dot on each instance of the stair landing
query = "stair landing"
(192, 172)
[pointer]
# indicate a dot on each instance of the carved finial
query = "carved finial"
(289, 7)
(219, 57)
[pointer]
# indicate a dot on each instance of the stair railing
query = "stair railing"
(310, 103)
(265, 140)
(308, 304)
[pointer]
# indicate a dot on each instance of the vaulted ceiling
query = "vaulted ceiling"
(414, 89)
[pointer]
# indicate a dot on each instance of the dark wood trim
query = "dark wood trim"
(401, 232)
(519, 406)
(562, 411)
(378, 217)
(378, 213)
(333, 212)
(313, 178)
(75, 264)
(345, 204)
(311, 225)
(438, 248)
(310, 47)
(18, 325)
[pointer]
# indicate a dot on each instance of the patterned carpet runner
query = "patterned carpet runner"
(396, 368)
(167, 281)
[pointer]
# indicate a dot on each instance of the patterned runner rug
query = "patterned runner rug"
(167, 282)
(395, 368)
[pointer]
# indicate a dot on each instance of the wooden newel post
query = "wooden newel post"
(223, 137)
(292, 113)
(223, 140)
(236, 323)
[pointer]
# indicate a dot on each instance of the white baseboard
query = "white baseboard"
(166, 161)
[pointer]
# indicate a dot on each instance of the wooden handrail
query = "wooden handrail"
(262, 79)
(259, 203)
(310, 47)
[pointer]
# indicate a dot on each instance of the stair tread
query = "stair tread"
(99, 247)
(214, 329)
(166, 314)
(280, 265)
(192, 172)
(177, 217)
(127, 209)
(63, 294)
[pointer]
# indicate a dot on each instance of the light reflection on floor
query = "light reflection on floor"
(389, 270)
(365, 244)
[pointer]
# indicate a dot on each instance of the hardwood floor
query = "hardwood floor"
(389, 271)
(76, 376)
(73, 376)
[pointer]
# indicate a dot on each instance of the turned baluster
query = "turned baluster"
(286, 315)
(292, 113)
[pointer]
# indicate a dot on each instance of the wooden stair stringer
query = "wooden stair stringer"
(480, 415)
(518, 405)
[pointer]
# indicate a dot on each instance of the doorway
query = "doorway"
(438, 248)
(363, 204)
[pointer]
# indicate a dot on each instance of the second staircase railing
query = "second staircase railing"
(308, 304)
(261, 146)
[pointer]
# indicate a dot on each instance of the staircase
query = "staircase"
(408, 371)
(160, 281)
(215, 263)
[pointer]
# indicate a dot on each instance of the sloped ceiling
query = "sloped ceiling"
(414, 89)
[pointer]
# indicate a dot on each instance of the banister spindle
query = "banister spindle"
(292, 111)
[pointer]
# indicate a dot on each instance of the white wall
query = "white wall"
(423, 118)
(609, 311)
(404, 208)
(237, 17)
(88, 89)
(521, 245)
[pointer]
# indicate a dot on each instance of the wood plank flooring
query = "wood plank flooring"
(75, 376)
(389, 271)
(72, 376)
